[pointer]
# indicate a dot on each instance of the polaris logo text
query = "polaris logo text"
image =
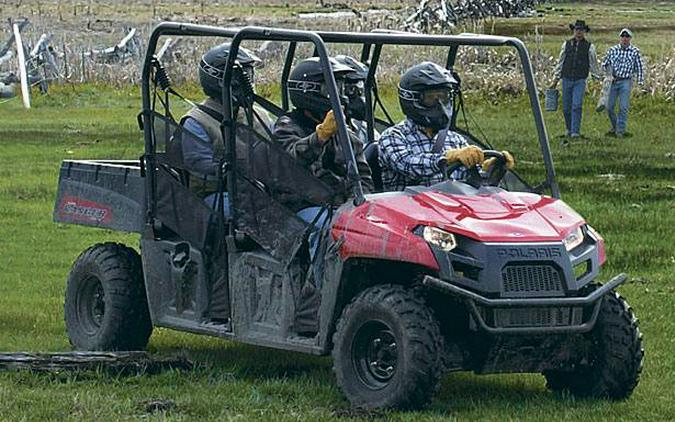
(532, 252)
(78, 209)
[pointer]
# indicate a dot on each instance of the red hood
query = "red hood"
(382, 227)
(496, 217)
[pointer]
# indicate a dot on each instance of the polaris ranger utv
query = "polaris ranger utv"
(485, 274)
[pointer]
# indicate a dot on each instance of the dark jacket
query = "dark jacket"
(297, 134)
(576, 63)
(566, 58)
(198, 151)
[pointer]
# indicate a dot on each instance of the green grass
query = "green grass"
(633, 213)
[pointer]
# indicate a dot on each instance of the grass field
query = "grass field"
(624, 188)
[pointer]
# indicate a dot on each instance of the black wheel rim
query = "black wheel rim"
(91, 305)
(375, 354)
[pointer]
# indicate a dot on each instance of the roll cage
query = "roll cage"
(372, 44)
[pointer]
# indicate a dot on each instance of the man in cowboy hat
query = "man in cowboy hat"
(577, 58)
(624, 60)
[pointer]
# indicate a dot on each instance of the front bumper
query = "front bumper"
(490, 314)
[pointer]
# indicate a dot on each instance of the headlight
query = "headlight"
(439, 238)
(594, 233)
(574, 239)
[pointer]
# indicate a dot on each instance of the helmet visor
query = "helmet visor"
(431, 97)
(248, 70)
(353, 90)
(340, 88)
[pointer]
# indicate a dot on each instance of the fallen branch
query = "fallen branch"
(164, 48)
(42, 59)
(115, 54)
(168, 49)
(41, 45)
(124, 362)
(6, 57)
(10, 41)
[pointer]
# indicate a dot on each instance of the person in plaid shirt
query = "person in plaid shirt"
(410, 152)
(624, 60)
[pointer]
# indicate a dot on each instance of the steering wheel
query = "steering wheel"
(478, 178)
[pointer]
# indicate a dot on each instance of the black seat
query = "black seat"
(372, 154)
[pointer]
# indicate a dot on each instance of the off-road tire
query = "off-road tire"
(395, 314)
(105, 305)
(616, 356)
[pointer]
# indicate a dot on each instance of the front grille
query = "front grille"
(531, 280)
(538, 317)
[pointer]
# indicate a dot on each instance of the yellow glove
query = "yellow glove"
(327, 128)
(468, 156)
(510, 162)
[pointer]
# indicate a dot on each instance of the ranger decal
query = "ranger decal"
(82, 210)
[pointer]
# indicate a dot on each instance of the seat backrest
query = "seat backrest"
(168, 136)
(372, 154)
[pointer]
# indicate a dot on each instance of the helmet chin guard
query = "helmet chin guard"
(438, 116)
(422, 78)
(354, 85)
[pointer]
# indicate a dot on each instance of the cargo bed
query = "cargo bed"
(101, 193)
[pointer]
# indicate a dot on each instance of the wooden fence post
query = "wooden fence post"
(25, 93)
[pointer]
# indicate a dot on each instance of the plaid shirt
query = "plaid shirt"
(625, 62)
(407, 159)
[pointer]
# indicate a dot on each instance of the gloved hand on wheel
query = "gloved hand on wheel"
(468, 156)
(510, 162)
(327, 128)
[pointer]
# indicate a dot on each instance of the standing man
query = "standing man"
(577, 58)
(624, 60)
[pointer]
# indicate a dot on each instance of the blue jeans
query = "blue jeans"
(212, 202)
(308, 215)
(619, 89)
(572, 103)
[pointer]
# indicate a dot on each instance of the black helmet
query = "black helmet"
(425, 93)
(354, 86)
(212, 69)
(359, 70)
(306, 86)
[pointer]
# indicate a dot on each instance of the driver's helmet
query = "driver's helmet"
(307, 89)
(354, 86)
(212, 71)
(425, 93)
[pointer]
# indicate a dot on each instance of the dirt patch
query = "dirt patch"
(357, 413)
(153, 406)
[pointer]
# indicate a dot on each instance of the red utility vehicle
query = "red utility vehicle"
(485, 274)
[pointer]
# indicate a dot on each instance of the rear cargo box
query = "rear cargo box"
(107, 194)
